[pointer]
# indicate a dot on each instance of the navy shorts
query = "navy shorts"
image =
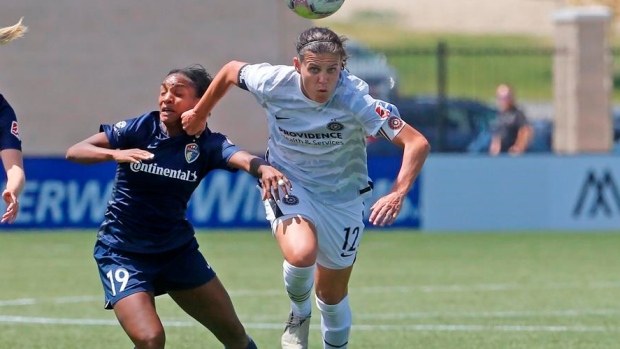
(124, 273)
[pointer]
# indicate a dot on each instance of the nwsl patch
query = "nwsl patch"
(383, 109)
(15, 129)
(191, 152)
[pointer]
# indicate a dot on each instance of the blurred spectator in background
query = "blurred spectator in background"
(10, 143)
(511, 130)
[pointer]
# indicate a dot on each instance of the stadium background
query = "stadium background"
(82, 64)
(506, 271)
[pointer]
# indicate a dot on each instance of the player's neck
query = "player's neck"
(171, 130)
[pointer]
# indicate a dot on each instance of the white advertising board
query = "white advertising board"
(534, 192)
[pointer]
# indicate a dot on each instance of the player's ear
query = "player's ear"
(297, 64)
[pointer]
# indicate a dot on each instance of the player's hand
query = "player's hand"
(12, 207)
(386, 209)
(516, 149)
(274, 183)
(132, 155)
(193, 124)
(494, 149)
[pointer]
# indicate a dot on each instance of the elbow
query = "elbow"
(70, 155)
(418, 148)
(424, 146)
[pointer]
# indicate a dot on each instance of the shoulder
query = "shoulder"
(145, 122)
(6, 111)
(210, 138)
(350, 87)
(4, 104)
(352, 93)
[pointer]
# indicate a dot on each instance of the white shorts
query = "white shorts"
(339, 227)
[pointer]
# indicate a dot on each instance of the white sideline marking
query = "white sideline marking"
(457, 315)
(495, 314)
(278, 326)
(359, 290)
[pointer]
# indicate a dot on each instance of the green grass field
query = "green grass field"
(409, 290)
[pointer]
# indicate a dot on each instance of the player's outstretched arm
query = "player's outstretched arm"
(270, 178)
(195, 120)
(96, 149)
(416, 149)
(14, 166)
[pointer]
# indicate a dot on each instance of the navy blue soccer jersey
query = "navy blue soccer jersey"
(9, 131)
(149, 200)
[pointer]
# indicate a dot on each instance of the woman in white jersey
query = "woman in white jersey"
(319, 116)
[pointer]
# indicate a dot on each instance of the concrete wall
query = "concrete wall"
(83, 63)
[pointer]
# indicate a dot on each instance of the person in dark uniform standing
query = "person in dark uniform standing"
(146, 246)
(511, 132)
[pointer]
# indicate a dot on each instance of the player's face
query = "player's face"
(177, 94)
(319, 74)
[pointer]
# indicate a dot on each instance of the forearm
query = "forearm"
(14, 166)
(221, 84)
(86, 153)
(496, 145)
(414, 156)
(247, 162)
(16, 179)
(523, 137)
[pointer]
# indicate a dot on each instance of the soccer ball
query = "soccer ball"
(314, 9)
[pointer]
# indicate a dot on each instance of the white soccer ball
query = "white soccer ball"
(314, 9)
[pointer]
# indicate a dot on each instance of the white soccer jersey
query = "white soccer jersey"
(321, 146)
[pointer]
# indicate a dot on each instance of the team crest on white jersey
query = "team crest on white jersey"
(15, 129)
(335, 126)
(191, 152)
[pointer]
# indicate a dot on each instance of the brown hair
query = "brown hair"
(320, 40)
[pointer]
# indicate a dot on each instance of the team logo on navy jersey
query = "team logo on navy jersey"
(383, 109)
(335, 126)
(15, 129)
(191, 152)
(395, 123)
(120, 124)
(290, 200)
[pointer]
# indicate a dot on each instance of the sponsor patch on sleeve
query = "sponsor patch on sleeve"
(383, 110)
(15, 129)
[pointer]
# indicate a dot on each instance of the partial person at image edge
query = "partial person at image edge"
(10, 141)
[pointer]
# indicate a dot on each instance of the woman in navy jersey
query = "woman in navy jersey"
(145, 245)
(12, 160)
(10, 142)
(319, 116)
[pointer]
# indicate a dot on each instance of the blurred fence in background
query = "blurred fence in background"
(474, 72)
(450, 75)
